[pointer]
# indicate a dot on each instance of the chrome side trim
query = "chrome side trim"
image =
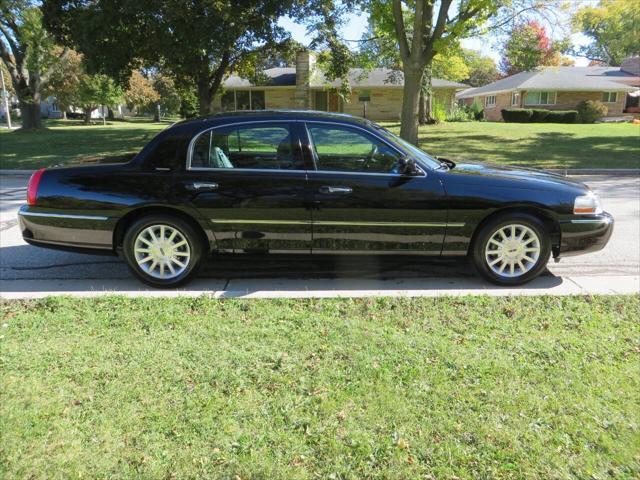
(63, 215)
(338, 223)
(275, 170)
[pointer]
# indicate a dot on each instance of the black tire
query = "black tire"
(195, 249)
(486, 232)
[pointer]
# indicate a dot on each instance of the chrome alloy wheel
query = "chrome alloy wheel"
(512, 250)
(162, 251)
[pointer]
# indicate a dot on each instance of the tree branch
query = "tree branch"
(5, 30)
(44, 78)
(401, 32)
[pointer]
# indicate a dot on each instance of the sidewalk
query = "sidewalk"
(326, 288)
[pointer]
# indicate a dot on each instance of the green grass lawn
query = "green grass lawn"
(69, 142)
(466, 388)
(536, 145)
(540, 145)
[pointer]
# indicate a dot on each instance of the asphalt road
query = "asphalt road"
(27, 271)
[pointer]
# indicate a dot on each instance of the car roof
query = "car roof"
(283, 115)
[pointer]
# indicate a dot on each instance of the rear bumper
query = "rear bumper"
(584, 235)
(78, 232)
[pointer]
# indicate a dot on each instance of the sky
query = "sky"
(357, 24)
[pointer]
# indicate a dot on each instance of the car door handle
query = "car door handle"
(199, 186)
(329, 190)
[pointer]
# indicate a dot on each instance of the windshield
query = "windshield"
(414, 151)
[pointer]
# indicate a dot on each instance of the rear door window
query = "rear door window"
(264, 146)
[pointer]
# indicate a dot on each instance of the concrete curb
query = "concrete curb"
(568, 171)
(596, 171)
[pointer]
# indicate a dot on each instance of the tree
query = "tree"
(613, 28)
(64, 81)
(433, 30)
(482, 70)
(27, 51)
(529, 47)
(198, 42)
(95, 91)
(141, 92)
(169, 94)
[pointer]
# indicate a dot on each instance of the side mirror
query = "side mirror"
(408, 167)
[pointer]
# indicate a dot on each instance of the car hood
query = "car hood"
(522, 177)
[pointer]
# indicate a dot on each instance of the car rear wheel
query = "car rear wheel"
(511, 249)
(162, 251)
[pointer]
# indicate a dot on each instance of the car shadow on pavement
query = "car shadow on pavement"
(253, 275)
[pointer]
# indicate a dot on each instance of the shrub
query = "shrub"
(591, 110)
(539, 115)
(517, 115)
(460, 114)
(562, 116)
(438, 112)
(477, 110)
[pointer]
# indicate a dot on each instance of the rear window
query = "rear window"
(169, 152)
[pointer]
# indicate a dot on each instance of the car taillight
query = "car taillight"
(32, 186)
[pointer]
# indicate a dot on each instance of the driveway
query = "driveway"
(27, 271)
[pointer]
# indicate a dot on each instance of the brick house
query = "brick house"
(375, 94)
(560, 88)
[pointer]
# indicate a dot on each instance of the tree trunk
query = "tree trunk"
(64, 114)
(110, 113)
(410, 104)
(425, 115)
(87, 115)
(30, 113)
(205, 104)
(156, 113)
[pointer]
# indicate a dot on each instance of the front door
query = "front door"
(249, 182)
(361, 201)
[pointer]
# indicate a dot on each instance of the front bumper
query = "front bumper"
(584, 235)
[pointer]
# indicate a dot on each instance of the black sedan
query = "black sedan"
(307, 182)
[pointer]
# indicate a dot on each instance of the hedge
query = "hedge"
(517, 115)
(538, 115)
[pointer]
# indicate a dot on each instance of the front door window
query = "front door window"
(344, 149)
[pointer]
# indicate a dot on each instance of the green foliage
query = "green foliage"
(64, 81)
(198, 42)
(96, 90)
(529, 47)
(140, 92)
(438, 111)
(562, 116)
(460, 114)
(612, 25)
(517, 115)
(378, 388)
(478, 111)
(539, 115)
(169, 94)
(482, 69)
(591, 110)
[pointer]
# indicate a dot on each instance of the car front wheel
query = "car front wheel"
(162, 251)
(512, 249)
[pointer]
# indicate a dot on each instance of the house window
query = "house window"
(243, 100)
(609, 97)
(540, 98)
(515, 98)
(490, 101)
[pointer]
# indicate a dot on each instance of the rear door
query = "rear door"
(361, 201)
(248, 181)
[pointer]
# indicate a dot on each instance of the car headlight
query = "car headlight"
(587, 205)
